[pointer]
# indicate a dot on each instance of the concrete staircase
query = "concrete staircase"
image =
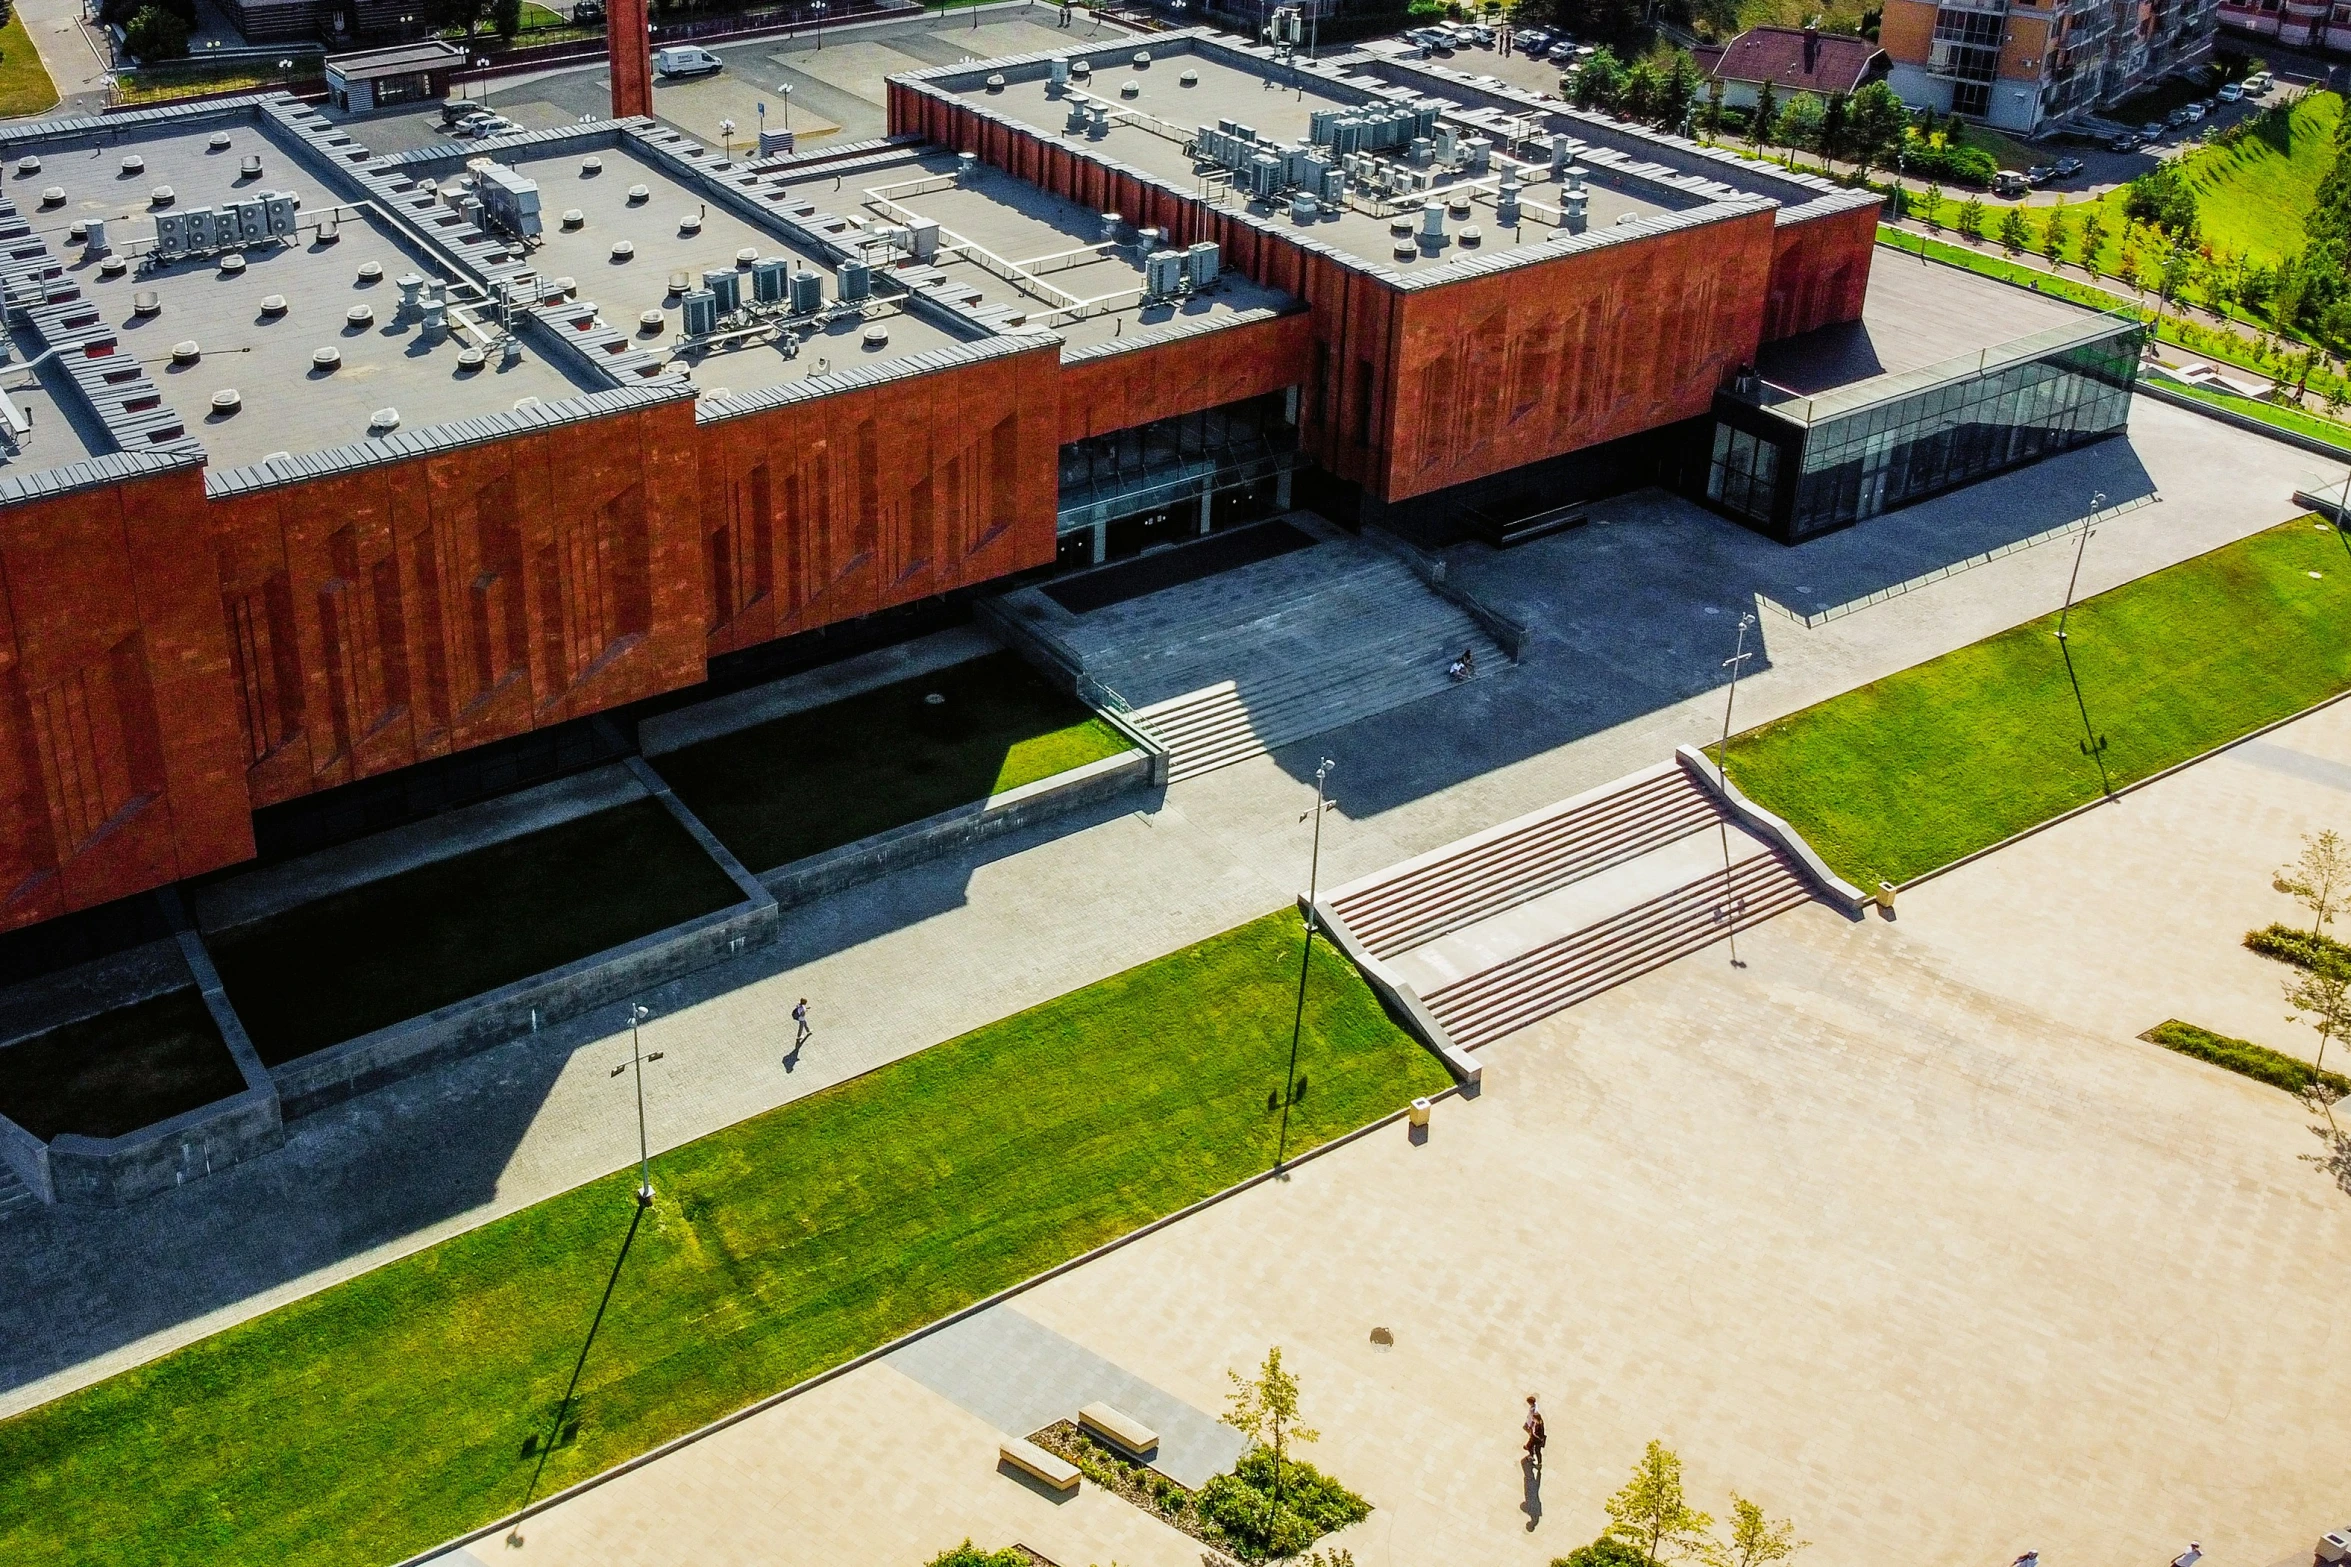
(1484, 876)
(1504, 928)
(1238, 664)
(16, 1198)
(1483, 1007)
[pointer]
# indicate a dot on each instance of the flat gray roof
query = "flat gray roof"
(63, 430)
(1054, 247)
(1154, 113)
(678, 229)
(265, 353)
(1915, 314)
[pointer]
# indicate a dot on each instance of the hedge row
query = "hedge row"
(2242, 1056)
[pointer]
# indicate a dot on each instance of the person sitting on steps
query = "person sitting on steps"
(1464, 666)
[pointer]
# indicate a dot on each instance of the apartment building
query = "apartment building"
(2023, 64)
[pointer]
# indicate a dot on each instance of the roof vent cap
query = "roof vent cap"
(328, 358)
(384, 419)
(134, 164)
(573, 217)
(360, 315)
(226, 401)
(162, 196)
(219, 142)
(589, 166)
(28, 166)
(371, 272)
(231, 264)
(52, 196)
(622, 249)
(273, 304)
(639, 193)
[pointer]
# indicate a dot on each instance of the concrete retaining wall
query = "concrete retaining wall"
(1761, 822)
(463, 1028)
(815, 688)
(28, 1156)
(114, 1170)
(1399, 995)
(803, 881)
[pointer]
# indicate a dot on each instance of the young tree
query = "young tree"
(2014, 236)
(1879, 123)
(1766, 116)
(1265, 1410)
(2176, 266)
(1836, 126)
(2319, 879)
(1644, 90)
(1801, 122)
(1680, 91)
(1651, 1515)
(2053, 237)
(1931, 200)
(1599, 82)
(2324, 994)
(1757, 1541)
(1710, 118)
(1971, 220)
(2093, 236)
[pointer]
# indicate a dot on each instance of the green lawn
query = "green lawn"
(25, 87)
(2268, 413)
(811, 781)
(393, 1411)
(356, 961)
(1949, 756)
(2251, 198)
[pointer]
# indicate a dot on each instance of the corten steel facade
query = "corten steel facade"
(186, 643)
(1415, 383)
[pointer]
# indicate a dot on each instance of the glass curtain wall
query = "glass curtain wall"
(1877, 458)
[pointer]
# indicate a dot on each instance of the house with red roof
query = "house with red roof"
(1794, 60)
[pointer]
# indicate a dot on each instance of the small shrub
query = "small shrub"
(2298, 947)
(1313, 1504)
(1607, 1551)
(969, 1555)
(2244, 1058)
(156, 34)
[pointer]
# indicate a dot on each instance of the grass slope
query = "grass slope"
(1946, 757)
(2251, 198)
(25, 87)
(390, 1412)
(812, 781)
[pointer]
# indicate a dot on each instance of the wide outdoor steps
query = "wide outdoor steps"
(1239, 664)
(15, 1196)
(1484, 1006)
(1452, 890)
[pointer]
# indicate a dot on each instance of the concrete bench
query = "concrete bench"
(1122, 1432)
(1028, 1457)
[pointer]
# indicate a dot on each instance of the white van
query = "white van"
(685, 60)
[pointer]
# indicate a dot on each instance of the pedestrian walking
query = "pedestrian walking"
(2028, 1559)
(1534, 1429)
(2189, 1557)
(800, 1017)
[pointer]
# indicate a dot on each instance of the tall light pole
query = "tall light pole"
(818, 8)
(1722, 774)
(726, 135)
(638, 1014)
(2097, 504)
(1322, 772)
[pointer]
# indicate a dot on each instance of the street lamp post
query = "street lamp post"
(817, 7)
(726, 136)
(637, 1015)
(1322, 772)
(2097, 504)
(1722, 774)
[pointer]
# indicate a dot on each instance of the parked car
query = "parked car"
(686, 60)
(2009, 184)
(2230, 92)
(2194, 112)
(2128, 141)
(1561, 52)
(2067, 168)
(2153, 130)
(1531, 41)
(2259, 83)
(2039, 174)
(586, 11)
(1481, 35)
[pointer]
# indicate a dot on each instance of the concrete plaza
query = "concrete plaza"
(1897, 1230)
(1631, 617)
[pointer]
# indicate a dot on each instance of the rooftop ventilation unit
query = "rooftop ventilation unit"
(725, 285)
(510, 201)
(807, 292)
(701, 313)
(854, 283)
(1060, 75)
(1203, 261)
(922, 235)
(1163, 275)
(767, 282)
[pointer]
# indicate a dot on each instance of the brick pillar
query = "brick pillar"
(629, 45)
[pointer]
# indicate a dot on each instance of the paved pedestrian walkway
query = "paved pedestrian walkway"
(1881, 1231)
(1020, 1376)
(1632, 617)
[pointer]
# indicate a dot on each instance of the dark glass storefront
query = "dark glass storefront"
(1175, 479)
(1795, 467)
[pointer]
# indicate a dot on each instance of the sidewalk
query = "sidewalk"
(1632, 616)
(73, 59)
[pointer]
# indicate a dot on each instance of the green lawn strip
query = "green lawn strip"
(25, 87)
(2268, 413)
(362, 959)
(812, 781)
(1913, 771)
(2302, 948)
(2243, 1057)
(392, 1411)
